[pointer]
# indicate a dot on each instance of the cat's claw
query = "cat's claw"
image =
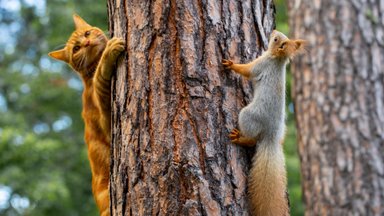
(115, 46)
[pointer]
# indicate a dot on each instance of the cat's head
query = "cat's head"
(84, 48)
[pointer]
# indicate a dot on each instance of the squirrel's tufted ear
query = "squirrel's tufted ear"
(59, 55)
(300, 45)
(79, 22)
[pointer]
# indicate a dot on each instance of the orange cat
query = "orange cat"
(93, 56)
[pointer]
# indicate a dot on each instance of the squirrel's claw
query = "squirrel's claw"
(226, 63)
(234, 135)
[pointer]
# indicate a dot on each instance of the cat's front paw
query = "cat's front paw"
(115, 47)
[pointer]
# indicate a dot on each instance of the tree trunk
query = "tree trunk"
(339, 94)
(173, 105)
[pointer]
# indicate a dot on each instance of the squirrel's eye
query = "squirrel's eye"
(87, 33)
(76, 48)
(275, 39)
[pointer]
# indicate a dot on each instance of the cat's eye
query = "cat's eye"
(87, 33)
(76, 48)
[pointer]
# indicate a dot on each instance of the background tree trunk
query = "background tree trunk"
(339, 94)
(173, 105)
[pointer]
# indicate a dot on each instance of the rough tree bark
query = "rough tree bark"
(173, 105)
(339, 104)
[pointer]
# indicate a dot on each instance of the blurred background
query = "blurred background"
(44, 168)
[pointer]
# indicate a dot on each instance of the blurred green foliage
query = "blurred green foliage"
(44, 168)
(281, 16)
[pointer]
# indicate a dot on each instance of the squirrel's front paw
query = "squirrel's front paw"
(227, 63)
(234, 135)
(115, 46)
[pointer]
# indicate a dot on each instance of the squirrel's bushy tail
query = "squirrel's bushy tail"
(267, 181)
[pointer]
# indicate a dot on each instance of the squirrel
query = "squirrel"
(261, 123)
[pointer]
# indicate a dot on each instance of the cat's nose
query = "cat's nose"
(87, 43)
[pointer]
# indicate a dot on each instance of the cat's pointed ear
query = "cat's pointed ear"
(59, 55)
(79, 22)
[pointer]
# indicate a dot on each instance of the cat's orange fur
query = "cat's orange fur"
(93, 56)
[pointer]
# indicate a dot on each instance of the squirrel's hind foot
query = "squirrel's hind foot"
(236, 138)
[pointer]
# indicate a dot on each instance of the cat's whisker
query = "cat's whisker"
(82, 61)
(100, 37)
